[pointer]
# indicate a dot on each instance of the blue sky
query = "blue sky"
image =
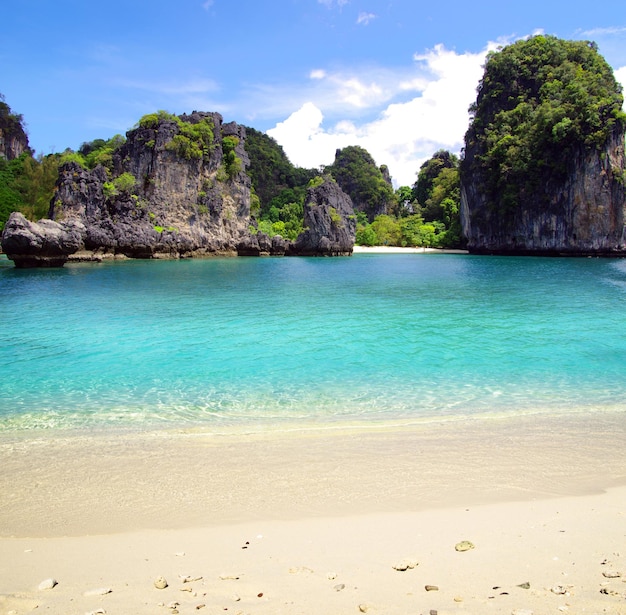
(394, 76)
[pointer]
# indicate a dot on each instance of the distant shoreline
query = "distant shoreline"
(399, 250)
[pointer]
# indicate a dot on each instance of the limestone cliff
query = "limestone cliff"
(543, 167)
(585, 214)
(184, 201)
(13, 138)
(329, 221)
(176, 188)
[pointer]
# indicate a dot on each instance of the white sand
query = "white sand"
(398, 250)
(313, 521)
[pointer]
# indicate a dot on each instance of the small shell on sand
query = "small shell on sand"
(47, 584)
(160, 583)
(464, 545)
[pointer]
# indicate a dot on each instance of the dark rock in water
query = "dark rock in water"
(329, 221)
(255, 245)
(41, 244)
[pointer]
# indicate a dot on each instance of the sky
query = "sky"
(393, 76)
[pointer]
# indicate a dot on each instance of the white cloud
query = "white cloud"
(404, 133)
(602, 31)
(365, 18)
(317, 74)
(207, 4)
(331, 3)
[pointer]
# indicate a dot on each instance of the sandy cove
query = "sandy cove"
(399, 250)
(346, 520)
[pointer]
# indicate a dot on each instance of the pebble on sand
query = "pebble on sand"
(160, 583)
(48, 584)
(464, 545)
(406, 564)
(100, 591)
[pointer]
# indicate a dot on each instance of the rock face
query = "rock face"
(329, 221)
(41, 244)
(586, 214)
(13, 138)
(181, 205)
(177, 188)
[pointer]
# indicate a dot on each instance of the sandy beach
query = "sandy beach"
(399, 250)
(319, 519)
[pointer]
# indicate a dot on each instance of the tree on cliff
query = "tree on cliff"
(367, 185)
(540, 102)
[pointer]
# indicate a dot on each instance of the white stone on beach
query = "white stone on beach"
(160, 583)
(47, 584)
(464, 545)
(97, 612)
(331, 576)
(560, 590)
(187, 578)
(100, 591)
(522, 612)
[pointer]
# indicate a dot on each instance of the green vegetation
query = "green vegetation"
(279, 191)
(232, 163)
(193, 141)
(428, 213)
(541, 103)
(124, 183)
(278, 187)
(27, 185)
(358, 176)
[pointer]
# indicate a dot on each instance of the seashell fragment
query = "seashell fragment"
(464, 545)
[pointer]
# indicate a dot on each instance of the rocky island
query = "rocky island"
(176, 188)
(543, 171)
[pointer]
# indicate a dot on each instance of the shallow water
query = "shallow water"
(219, 343)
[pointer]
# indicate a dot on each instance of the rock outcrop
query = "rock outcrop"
(183, 202)
(13, 137)
(176, 188)
(41, 244)
(329, 221)
(585, 216)
(543, 170)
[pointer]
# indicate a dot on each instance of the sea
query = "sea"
(307, 343)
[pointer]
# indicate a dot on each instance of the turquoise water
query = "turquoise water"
(270, 341)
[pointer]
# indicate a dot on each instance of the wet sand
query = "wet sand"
(317, 518)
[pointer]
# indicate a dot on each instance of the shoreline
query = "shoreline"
(85, 482)
(315, 521)
(399, 250)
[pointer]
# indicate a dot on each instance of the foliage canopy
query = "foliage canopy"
(541, 102)
(358, 176)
